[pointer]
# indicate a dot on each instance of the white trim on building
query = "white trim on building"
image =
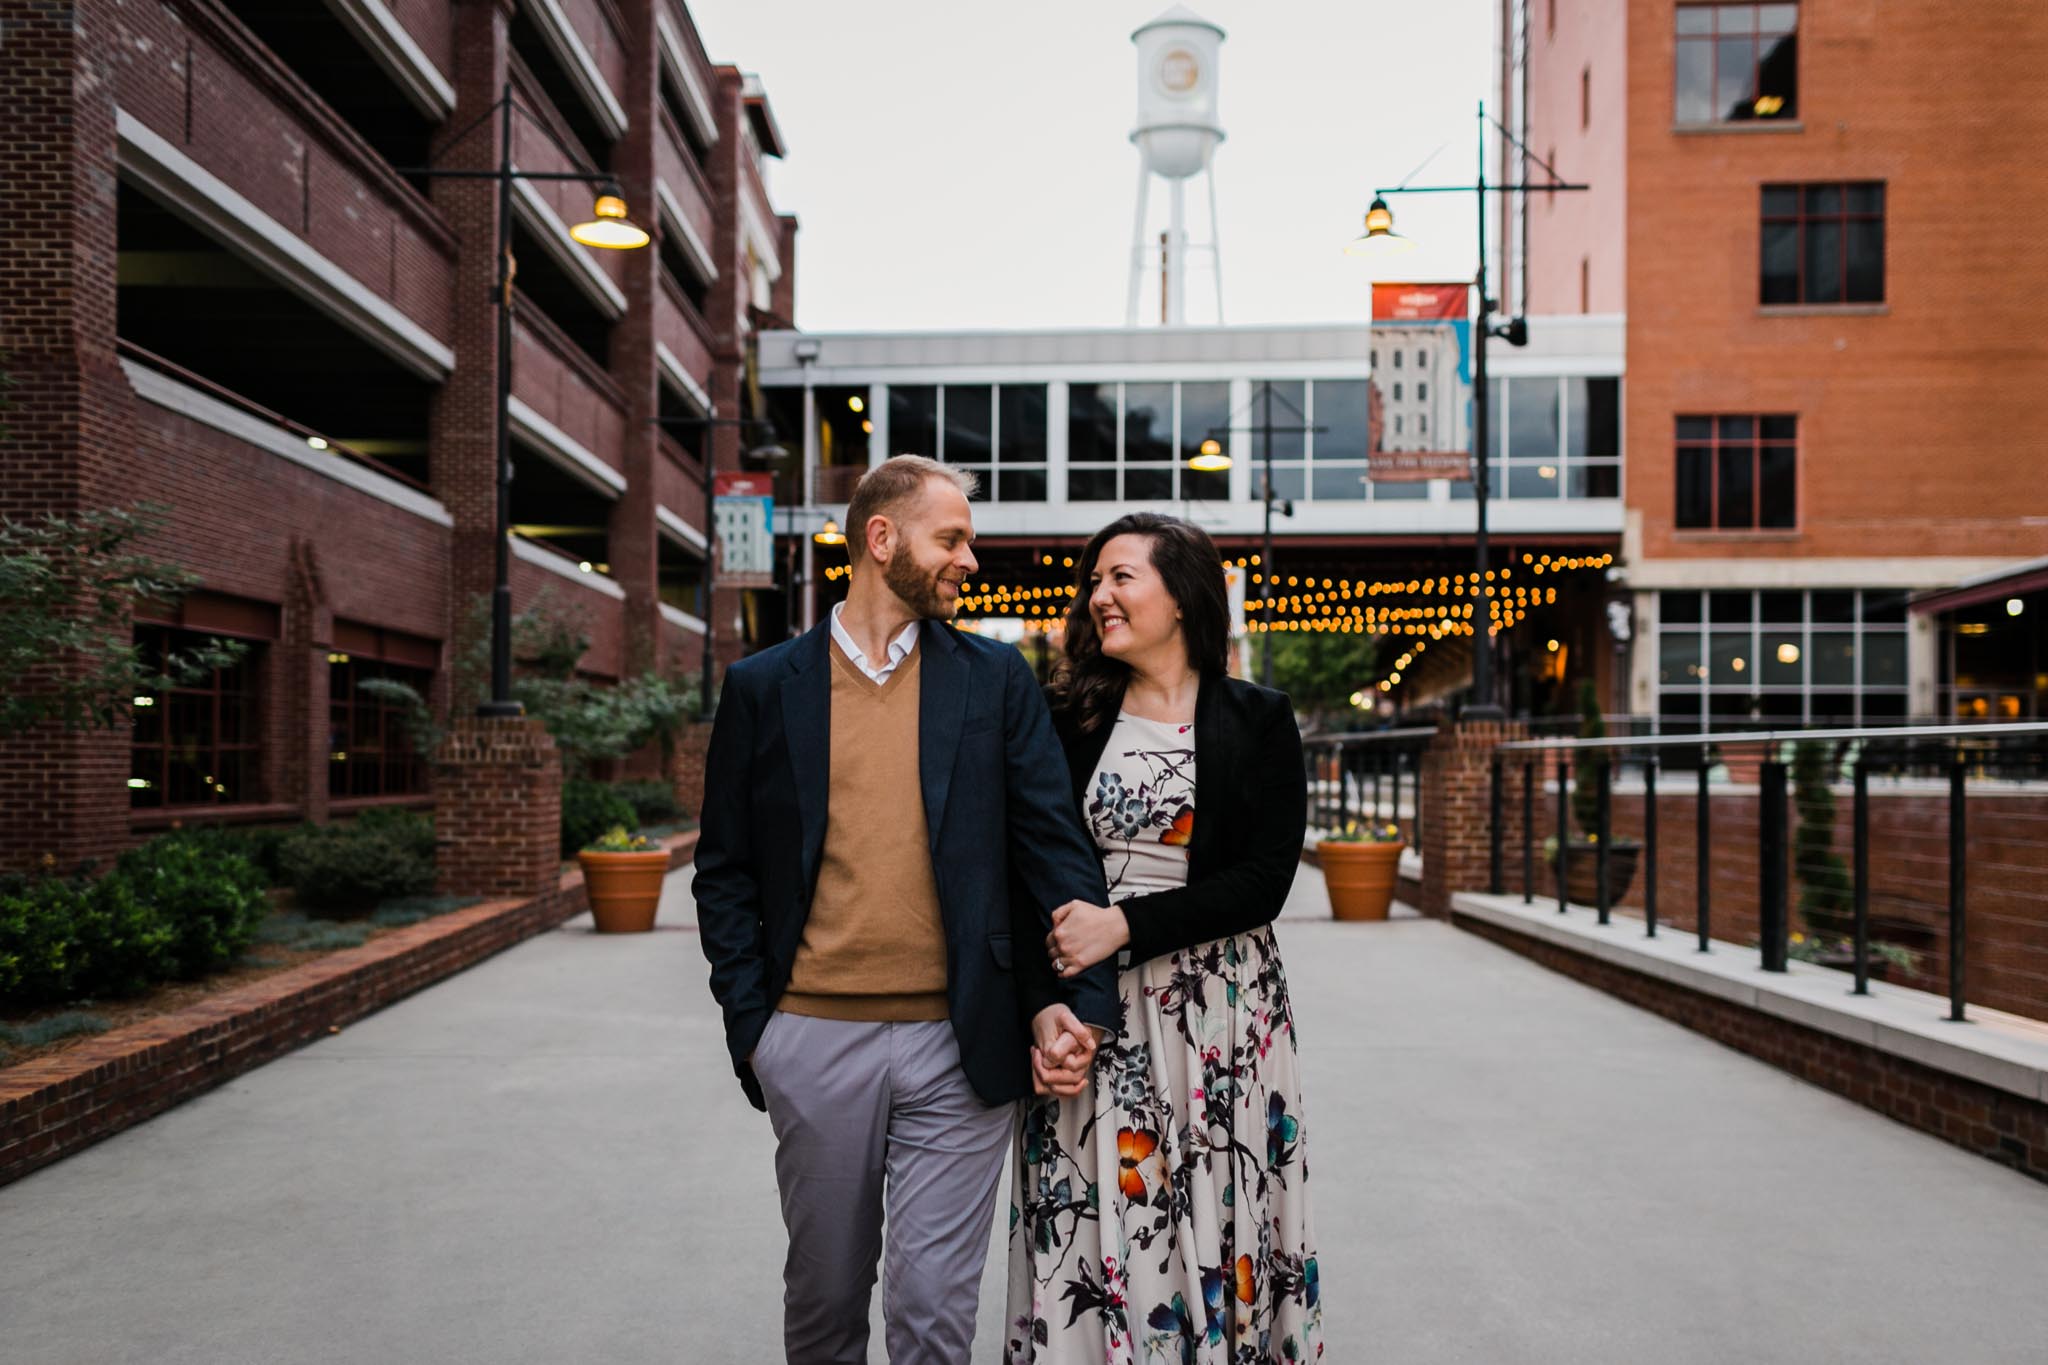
(402, 59)
(553, 23)
(693, 245)
(563, 452)
(543, 558)
(547, 225)
(696, 103)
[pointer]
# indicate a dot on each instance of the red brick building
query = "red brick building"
(1809, 214)
(228, 292)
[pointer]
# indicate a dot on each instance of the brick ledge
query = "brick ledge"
(55, 1106)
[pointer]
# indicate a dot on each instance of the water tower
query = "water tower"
(1177, 136)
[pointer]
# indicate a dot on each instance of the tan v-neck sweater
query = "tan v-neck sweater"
(874, 947)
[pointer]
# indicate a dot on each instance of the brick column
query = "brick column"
(498, 809)
(1456, 811)
(633, 534)
(69, 419)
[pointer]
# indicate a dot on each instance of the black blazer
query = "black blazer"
(996, 805)
(1251, 811)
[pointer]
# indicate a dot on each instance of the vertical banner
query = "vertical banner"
(1421, 418)
(744, 517)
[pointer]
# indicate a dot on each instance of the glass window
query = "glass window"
(1148, 426)
(1884, 659)
(200, 744)
(914, 420)
(969, 424)
(1678, 658)
(1532, 419)
(1678, 608)
(1736, 63)
(1421, 393)
(1730, 657)
(1022, 424)
(1728, 608)
(1823, 243)
(1736, 473)
(1834, 658)
(1289, 400)
(369, 752)
(1204, 410)
(1397, 390)
(1091, 424)
(1092, 485)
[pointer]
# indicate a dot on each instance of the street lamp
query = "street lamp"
(1380, 239)
(609, 227)
(1209, 458)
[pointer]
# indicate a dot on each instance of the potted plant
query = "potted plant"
(623, 873)
(1582, 875)
(1359, 866)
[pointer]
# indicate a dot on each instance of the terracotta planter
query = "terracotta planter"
(625, 888)
(1360, 878)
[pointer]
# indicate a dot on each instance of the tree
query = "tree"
(68, 590)
(1318, 670)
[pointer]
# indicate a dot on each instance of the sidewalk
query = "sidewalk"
(546, 1159)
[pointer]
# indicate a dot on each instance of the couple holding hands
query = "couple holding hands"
(927, 894)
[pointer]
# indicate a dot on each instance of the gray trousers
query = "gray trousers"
(875, 1123)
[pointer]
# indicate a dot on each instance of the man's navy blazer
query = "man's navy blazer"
(997, 801)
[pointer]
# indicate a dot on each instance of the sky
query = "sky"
(965, 164)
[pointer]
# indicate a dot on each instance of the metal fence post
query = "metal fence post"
(1650, 846)
(1564, 817)
(1528, 831)
(1496, 837)
(1771, 918)
(1703, 825)
(1958, 838)
(1603, 821)
(1860, 871)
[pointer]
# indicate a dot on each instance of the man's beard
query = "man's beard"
(918, 589)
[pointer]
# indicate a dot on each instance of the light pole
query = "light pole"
(610, 228)
(1210, 458)
(1380, 236)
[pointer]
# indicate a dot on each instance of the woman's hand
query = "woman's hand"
(1083, 935)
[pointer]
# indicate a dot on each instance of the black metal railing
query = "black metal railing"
(1371, 776)
(1774, 833)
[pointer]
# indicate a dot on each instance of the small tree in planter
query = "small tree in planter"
(1827, 893)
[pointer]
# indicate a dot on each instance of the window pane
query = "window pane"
(1342, 406)
(1884, 660)
(1678, 658)
(1781, 201)
(1603, 418)
(1205, 485)
(1289, 399)
(1695, 18)
(1834, 606)
(1091, 423)
(1781, 607)
(1021, 485)
(1397, 390)
(913, 420)
(1884, 608)
(1866, 261)
(1574, 416)
(1734, 59)
(1695, 428)
(1203, 408)
(1737, 428)
(1823, 262)
(1532, 418)
(1148, 424)
(1149, 484)
(1728, 608)
(1337, 482)
(1777, 77)
(1780, 264)
(1593, 479)
(1023, 424)
(984, 485)
(1728, 658)
(1737, 506)
(1678, 608)
(1695, 103)
(1288, 482)
(1833, 708)
(1866, 197)
(1834, 658)
(1824, 199)
(1735, 18)
(1397, 492)
(1533, 481)
(1778, 495)
(1778, 428)
(1695, 487)
(1784, 659)
(1092, 485)
(1777, 18)
(969, 424)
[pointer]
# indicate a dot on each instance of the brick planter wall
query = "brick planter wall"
(52, 1107)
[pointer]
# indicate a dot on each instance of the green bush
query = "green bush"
(64, 939)
(382, 855)
(261, 846)
(211, 900)
(589, 809)
(653, 801)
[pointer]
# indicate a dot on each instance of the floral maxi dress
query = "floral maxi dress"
(1162, 1215)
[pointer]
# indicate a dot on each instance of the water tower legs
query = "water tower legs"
(1140, 251)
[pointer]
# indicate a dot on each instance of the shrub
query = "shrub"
(65, 938)
(261, 846)
(588, 810)
(209, 899)
(653, 801)
(382, 855)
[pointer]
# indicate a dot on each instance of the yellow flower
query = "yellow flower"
(1799, 938)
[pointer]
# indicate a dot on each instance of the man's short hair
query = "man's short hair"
(884, 489)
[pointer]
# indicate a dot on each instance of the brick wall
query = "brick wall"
(497, 813)
(1457, 776)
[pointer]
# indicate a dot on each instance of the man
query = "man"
(870, 790)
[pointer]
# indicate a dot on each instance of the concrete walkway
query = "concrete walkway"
(546, 1160)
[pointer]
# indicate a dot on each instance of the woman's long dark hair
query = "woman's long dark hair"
(1087, 685)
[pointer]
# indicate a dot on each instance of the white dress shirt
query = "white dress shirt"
(899, 648)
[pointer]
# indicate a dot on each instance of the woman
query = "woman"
(1161, 1213)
